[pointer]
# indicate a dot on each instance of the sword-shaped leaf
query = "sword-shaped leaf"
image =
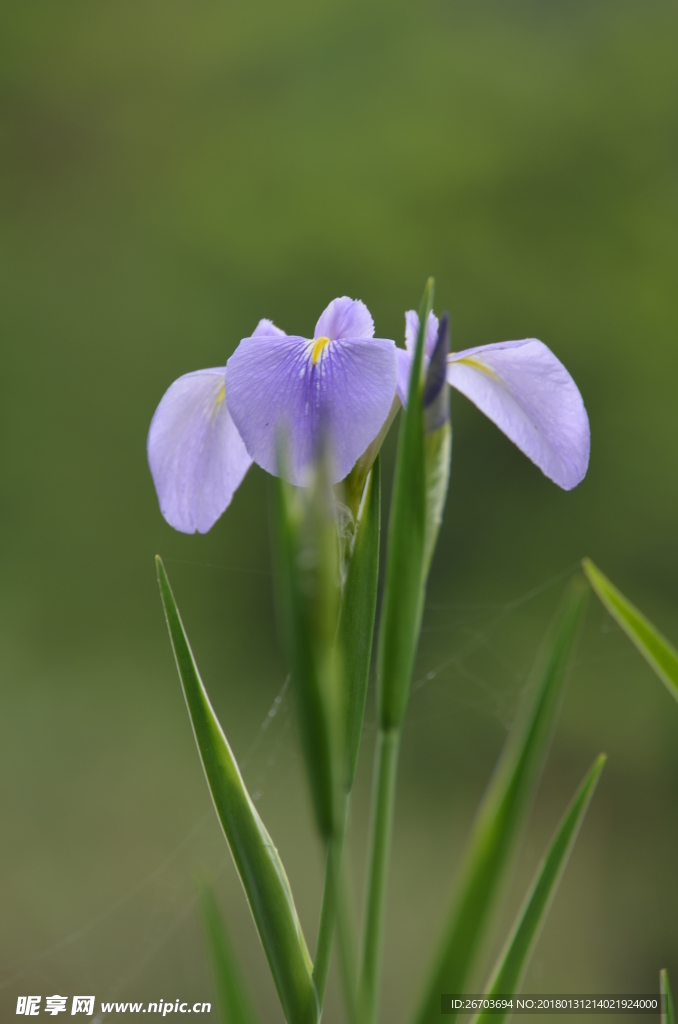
(668, 1012)
(256, 858)
(234, 1002)
(406, 549)
(513, 960)
(503, 810)
(655, 648)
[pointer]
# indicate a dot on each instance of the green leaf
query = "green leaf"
(513, 960)
(308, 592)
(234, 1002)
(656, 649)
(504, 809)
(356, 618)
(256, 858)
(668, 1011)
(406, 546)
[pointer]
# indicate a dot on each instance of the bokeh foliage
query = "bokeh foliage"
(169, 175)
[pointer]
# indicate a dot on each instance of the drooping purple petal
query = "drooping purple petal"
(345, 318)
(528, 393)
(290, 390)
(196, 456)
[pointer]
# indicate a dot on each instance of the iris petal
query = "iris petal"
(195, 453)
(345, 318)
(274, 390)
(267, 329)
(405, 355)
(523, 388)
(412, 329)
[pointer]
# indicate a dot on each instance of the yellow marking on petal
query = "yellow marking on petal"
(476, 364)
(318, 345)
(217, 403)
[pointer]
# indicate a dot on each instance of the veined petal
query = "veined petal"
(412, 330)
(267, 329)
(290, 389)
(345, 318)
(196, 456)
(528, 393)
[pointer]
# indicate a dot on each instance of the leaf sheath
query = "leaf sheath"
(404, 584)
(356, 618)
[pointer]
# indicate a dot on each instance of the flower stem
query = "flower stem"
(347, 951)
(328, 909)
(383, 801)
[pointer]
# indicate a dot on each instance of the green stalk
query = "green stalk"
(334, 915)
(347, 947)
(328, 908)
(419, 489)
(383, 802)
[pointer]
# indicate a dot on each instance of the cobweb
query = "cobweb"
(475, 670)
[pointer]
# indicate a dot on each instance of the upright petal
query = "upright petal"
(404, 356)
(267, 329)
(345, 318)
(528, 393)
(292, 389)
(412, 329)
(195, 453)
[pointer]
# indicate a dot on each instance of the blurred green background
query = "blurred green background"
(170, 174)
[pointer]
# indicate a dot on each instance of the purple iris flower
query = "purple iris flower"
(340, 384)
(524, 389)
(212, 424)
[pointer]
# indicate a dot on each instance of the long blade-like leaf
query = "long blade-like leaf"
(503, 810)
(234, 1002)
(655, 648)
(256, 858)
(668, 1011)
(356, 618)
(513, 960)
(404, 583)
